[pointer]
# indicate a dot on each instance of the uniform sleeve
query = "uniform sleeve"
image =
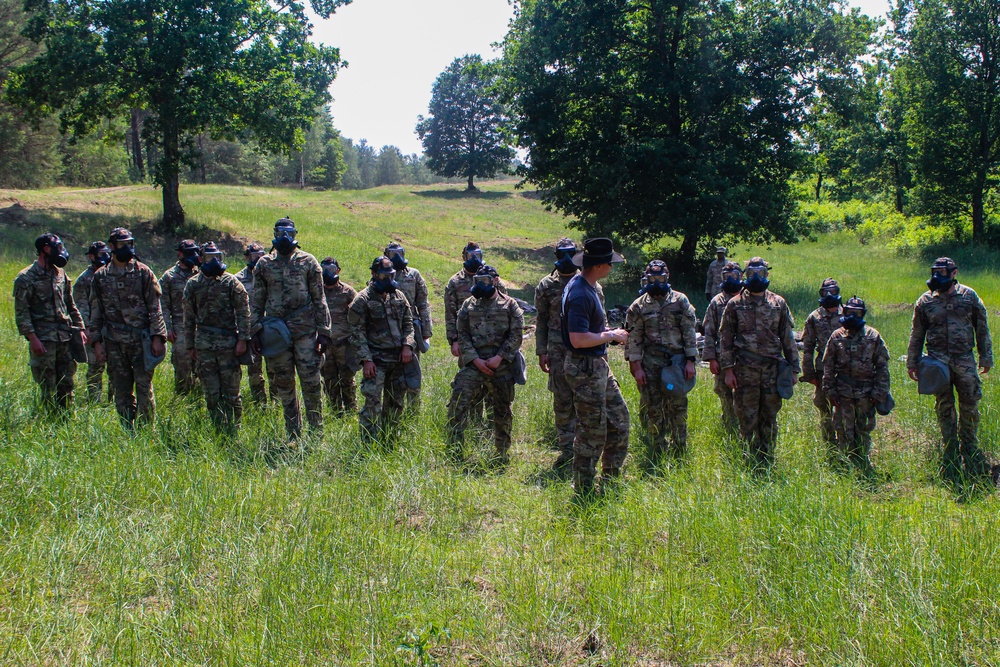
(451, 307)
(81, 295)
(830, 368)
(881, 359)
(166, 301)
(710, 328)
(467, 351)
(241, 305)
(809, 350)
(95, 329)
(321, 311)
(259, 300)
(984, 344)
(423, 306)
(688, 334)
(157, 327)
(190, 314)
(788, 340)
(708, 279)
(918, 331)
(409, 333)
(636, 328)
(512, 341)
(542, 320)
(22, 309)
(356, 318)
(76, 320)
(727, 336)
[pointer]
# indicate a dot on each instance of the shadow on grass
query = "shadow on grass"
(462, 194)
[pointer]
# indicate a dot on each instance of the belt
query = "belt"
(219, 331)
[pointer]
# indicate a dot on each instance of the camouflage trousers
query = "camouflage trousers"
(822, 403)
(855, 420)
(220, 374)
(757, 404)
(303, 358)
(183, 364)
(383, 396)
(338, 380)
(960, 431)
(470, 383)
(662, 413)
(255, 376)
(602, 419)
(95, 378)
(725, 394)
(54, 371)
(562, 400)
(132, 383)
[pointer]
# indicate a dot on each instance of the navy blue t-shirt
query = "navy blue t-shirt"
(582, 312)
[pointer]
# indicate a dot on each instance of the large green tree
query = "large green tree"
(677, 118)
(951, 66)
(228, 67)
(466, 132)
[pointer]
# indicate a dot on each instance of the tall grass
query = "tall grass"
(176, 546)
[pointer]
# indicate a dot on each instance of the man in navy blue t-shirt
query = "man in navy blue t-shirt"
(602, 416)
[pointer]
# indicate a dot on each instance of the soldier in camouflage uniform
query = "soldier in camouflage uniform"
(216, 331)
(855, 379)
(602, 417)
(381, 322)
(755, 335)
(490, 327)
(339, 366)
(951, 319)
(288, 284)
(99, 255)
(549, 346)
(661, 325)
(255, 370)
(46, 315)
(413, 287)
(172, 284)
(713, 281)
(819, 325)
(731, 285)
(124, 305)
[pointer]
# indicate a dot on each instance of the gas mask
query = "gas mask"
(473, 260)
(483, 288)
(397, 257)
(125, 253)
(383, 281)
(284, 239)
(564, 260)
(213, 266)
(656, 284)
(756, 279)
(57, 254)
(941, 280)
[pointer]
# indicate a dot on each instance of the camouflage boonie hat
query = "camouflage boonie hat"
(566, 244)
(657, 266)
(944, 263)
(119, 234)
(209, 248)
(855, 303)
(96, 247)
(187, 245)
(487, 270)
(829, 285)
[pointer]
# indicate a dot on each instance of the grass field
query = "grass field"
(175, 547)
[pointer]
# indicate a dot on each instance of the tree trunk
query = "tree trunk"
(137, 145)
(173, 212)
(819, 186)
(472, 187)
(686, 253)
(202, 170)
(896, 178)
(978, 226)
(302, 171)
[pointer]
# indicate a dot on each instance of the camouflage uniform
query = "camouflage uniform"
(458, 289)
(714, 277)
(856, 376)
(43, 305)
(124, 302)
(486, 328)
(381, 324)
(95, 370)
(660, 327)
(952, 324)
(216, 316)
(255, 371)
(414, 288)
(291, 287)
(710, 327)
(338, 371)
(819, 325)
(756, 331)
(172, 284)
(548, 340)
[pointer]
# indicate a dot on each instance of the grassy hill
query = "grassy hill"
(172, 546)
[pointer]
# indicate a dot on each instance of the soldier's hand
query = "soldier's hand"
(713, 366)
(543, 362)
(406, 356)
(494, 362)
(455, 350)
(83, 336)
(99, 353)
(368, 369)
(912, 372)
(241, 348)
(322, 343)
(37, 346)
(157, 346)
(619, 336)
(984, 370)
(689, 370)
(255, 345)
(171, 337)
(482, 367)
(635, 368)
(731, 378)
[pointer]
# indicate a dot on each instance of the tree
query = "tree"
(951, 64)
(228, 67)
(390, 166)
(466, 131)
(677, 118)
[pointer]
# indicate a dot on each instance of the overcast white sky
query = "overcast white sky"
(397, 48)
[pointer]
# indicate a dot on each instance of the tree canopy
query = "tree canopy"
(228, 67)
(675, 118)
(466, 132)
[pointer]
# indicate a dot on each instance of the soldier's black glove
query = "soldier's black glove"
(322, 343)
